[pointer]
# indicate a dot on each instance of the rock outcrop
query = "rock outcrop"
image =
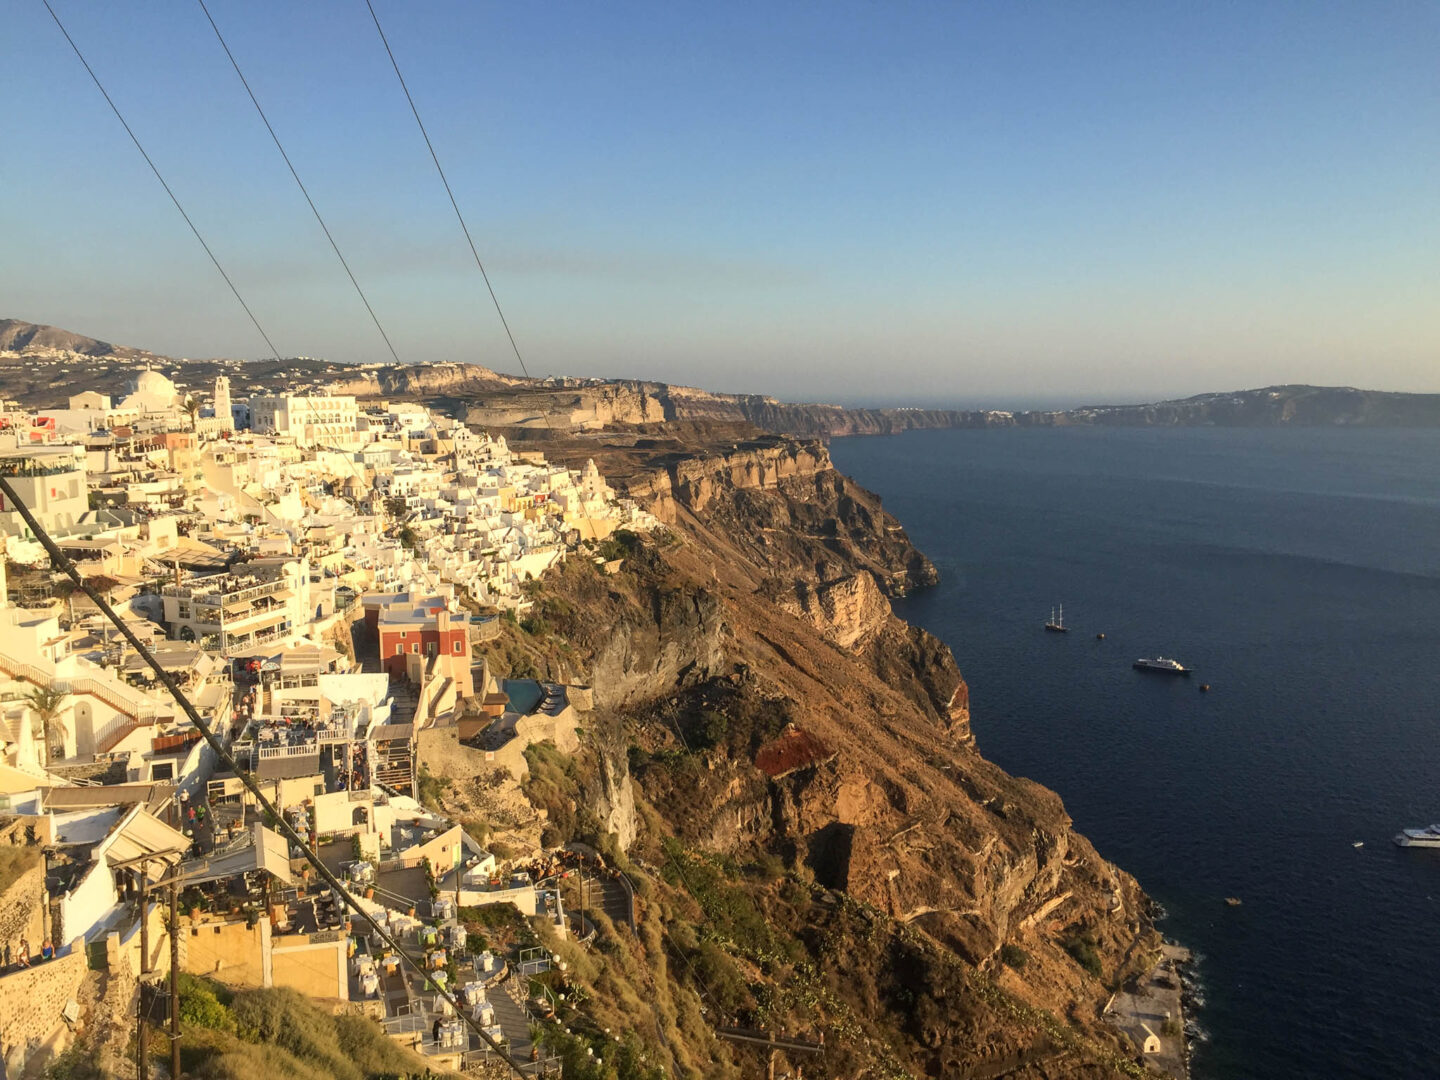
(776, 705)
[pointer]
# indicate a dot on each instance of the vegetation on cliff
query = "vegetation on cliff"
(888, 889)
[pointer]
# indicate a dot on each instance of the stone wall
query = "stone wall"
(30, 1003)
(22, 909)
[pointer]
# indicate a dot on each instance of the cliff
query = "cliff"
(488, 398)
(776, 714)
(422, 380)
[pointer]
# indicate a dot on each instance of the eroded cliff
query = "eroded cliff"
(778, 714)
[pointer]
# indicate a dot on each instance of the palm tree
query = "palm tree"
(47, 703)
(192, 406)
(67, 589)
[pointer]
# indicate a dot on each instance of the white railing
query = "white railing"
(300, 750)
(141, 710)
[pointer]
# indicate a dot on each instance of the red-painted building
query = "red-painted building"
(424, 633)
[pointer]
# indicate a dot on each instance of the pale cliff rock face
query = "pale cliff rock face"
(562, 409)
(419, 379)
(615, 805)
(846, 611)
(696, 481)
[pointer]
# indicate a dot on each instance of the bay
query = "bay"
(1298, 572)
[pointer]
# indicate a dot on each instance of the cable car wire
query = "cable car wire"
(115, 109)
(289, 165)
(59, 559)
(454, 205)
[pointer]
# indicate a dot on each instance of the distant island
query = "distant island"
(46, 365)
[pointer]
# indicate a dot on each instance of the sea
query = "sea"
(1297, 571)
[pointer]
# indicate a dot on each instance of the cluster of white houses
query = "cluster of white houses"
(312, 571)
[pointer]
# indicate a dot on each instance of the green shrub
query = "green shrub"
(431, 788)
(200, 1005)
(491, 916)
(1013, 956)
(1083, 951)
(767, 867)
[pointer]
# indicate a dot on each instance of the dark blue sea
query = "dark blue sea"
(1298, 572)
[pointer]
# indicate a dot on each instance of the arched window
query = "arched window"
(360, 816)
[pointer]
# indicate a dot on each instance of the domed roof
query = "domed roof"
(152, 383)
(153, 393)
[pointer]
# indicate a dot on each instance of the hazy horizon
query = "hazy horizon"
(894, 205)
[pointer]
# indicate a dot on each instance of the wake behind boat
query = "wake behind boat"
(1419, 837)
(1162, 664)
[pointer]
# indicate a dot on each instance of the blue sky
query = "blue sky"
(959, 203)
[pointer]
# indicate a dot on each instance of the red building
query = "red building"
(425, 633)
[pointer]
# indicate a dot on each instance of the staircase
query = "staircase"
(514, 1021)
(132, 703)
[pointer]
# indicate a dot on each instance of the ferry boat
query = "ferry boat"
(1162, 664)
(1056, 625)
(1419, 837)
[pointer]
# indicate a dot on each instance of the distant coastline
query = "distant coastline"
(45, 364)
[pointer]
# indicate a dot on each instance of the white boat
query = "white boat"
(1056, 625)
(1162, 664)
(1419, 837)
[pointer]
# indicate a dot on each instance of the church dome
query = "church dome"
(153, 393)
(154, 384)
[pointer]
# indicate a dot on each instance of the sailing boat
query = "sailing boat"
(1056, 625)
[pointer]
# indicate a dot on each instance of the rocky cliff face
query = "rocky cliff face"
(777, 708)
(423, 380)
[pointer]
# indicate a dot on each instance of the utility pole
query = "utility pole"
(174, 979)
(142, 1031)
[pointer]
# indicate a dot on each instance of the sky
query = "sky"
(959, 203)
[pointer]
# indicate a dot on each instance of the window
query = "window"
(457, 646)
(414, 646)
(399, 650)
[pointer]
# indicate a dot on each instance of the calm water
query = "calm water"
(1298, 571)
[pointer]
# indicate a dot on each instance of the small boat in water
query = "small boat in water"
(1162, 664)
(1419, 837)
(1056, 625)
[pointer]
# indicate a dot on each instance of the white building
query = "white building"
(309, 420)
(50, 480)
(236, 611)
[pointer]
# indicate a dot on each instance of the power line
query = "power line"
(58, 558)
(96, 79)
(454, 205)
(325, 228)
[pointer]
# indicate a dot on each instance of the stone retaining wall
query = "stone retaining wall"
(31, 1000)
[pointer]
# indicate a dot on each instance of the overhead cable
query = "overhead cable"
(313, 209)
(113, 108)
(59, 559)
(454, 205)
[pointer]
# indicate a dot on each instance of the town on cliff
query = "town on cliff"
(556, 731)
